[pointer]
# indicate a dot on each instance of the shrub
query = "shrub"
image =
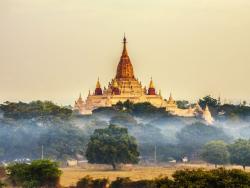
(164, 182)
(119, 182)
(38, 173)
(127, 183)
(214, 178)
(2, 184)
(88, 182)
(199, 178)
(84, 182)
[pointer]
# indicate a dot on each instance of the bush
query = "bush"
(88, 182)
(140, 184)
(199, 178)
(214, 178)
(119, 182)
(164, 182)
(38, 173)
(127, 183)
(84, 182)
(2, 184)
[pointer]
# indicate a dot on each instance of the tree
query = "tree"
(37, 174)
(192, 137)
(112, 146)
(63, 142)
(240, 152)
(208, 100)
(215, 152)
(34, 109)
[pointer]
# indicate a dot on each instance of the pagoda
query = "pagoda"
(125, 86)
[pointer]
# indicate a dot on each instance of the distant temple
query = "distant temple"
(126, 87)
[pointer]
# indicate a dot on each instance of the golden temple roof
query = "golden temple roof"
(125, 68)
(115, 84)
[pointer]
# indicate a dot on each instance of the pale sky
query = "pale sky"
(55, 49)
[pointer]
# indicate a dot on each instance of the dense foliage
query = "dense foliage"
(112, 145)
(33, 109)
(231, 111)
(193, 137)
(60, 141)
(27, 127)
(38, 173)
(145, 110)
(218, 178)
(215, 152)
(88, 182)
(240, 152)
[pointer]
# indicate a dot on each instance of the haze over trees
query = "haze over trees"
(26, 127)
(240, 152)
(112, 145)
(215, 152)
(193, 137)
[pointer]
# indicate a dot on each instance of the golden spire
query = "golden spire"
(124, 51)
(98, 85)
(125, 68)
(151, 85)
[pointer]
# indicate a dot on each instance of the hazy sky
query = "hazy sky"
(54, 49)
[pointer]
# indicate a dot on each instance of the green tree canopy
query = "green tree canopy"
(215, 152)
(193, 137)
(33, 109)
(240, 152)
(208, 100)
(63, 142)
(112, 145)
(37, 174)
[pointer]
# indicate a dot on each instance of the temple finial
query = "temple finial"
(124, 51)
(151, 84)
(98, 85)
(124, 38)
